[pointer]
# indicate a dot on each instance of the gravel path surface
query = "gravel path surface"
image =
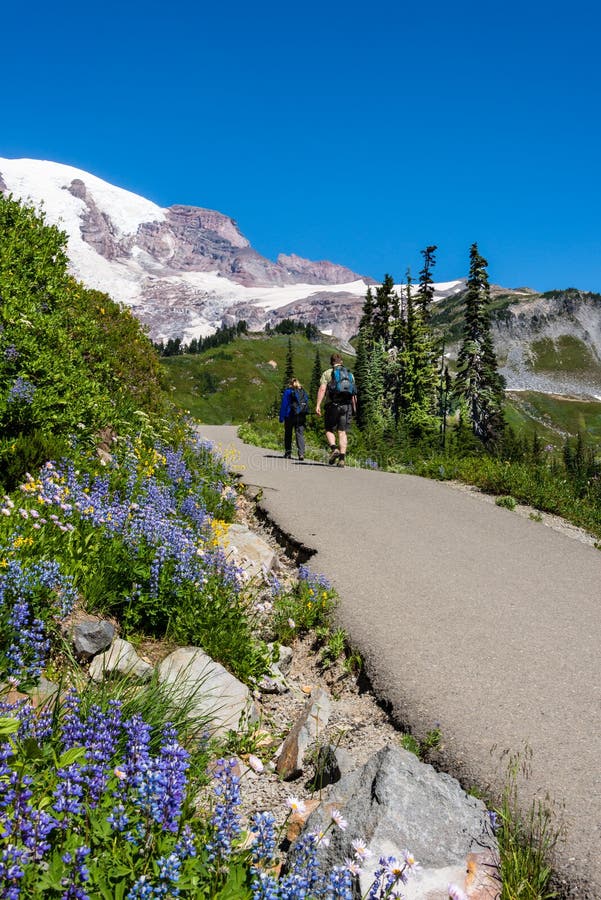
(469, 617)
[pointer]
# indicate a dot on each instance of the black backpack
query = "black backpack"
(341, 386)
(299, 402)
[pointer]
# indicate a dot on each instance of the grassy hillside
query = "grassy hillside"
(552, 416)
(232, 382)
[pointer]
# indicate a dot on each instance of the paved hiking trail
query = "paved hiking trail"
(469, 617)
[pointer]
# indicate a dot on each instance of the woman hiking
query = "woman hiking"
(293, 413)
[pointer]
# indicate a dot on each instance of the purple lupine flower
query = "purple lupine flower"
(225, 819)
(340, 884)
(77, 876)
(69, 792)
(11, 353)
(21, 391)
(263, 830)
(186, 846)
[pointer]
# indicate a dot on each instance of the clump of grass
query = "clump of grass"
(424, 748)
(507, 502)
(526, 840)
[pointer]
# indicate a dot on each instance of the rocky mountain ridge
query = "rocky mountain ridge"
(184, 270)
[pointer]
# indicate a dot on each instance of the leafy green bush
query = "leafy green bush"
(506, 502)
(306, 606)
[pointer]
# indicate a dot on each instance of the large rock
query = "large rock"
(395, 802)
(207, 690)
(122, 658)
(308, 727)
(92, 636)
(245, 548)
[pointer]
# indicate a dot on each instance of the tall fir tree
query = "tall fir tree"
(361, 373)
(289, 368)
(382, 311)
(478, 383)
(315, 377)
(368, 310)
(417, 388)
(425, 291)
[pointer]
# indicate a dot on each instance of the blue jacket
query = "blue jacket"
(286, 408)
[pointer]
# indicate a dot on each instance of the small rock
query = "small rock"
(284, 654)
(92, 636)
(207, 690)
(274, 683)
(248, 550)
(310, 723)
(121, 657)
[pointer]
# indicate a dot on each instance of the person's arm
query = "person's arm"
(320, 395)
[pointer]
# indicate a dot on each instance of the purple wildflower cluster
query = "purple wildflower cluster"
(116, 778)
(225, 819)
(21, 391)
(30, 597)
(312, 580)
(150, 515)
(11, 353)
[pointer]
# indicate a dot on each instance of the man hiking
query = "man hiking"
(337, 386)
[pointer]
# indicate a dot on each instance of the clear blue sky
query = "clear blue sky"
(356, 133)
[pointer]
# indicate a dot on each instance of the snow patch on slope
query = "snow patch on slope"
(46, 184)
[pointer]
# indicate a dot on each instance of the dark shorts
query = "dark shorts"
(338, 417)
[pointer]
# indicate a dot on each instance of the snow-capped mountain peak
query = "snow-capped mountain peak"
(184, 270)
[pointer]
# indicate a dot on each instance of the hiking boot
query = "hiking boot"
(287, 455)
(340, 462)
(301, 458)
(333, 456)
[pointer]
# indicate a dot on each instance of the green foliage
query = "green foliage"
(217, 619)
(26, 453)
(478, 383)
(507, 502)
(424, 748)
(526, 842)
(308, 605)
(84, 362)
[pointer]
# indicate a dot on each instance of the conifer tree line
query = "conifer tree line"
(402, 378)
(224, 335)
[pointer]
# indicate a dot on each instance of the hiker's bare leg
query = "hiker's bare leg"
(330, 439)
(342, 441)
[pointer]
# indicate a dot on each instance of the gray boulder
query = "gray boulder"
(207, 690)
(92, 636)
(121, 658)
(394, 803)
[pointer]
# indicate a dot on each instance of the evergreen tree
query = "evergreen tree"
(478, 383)
(315, 377)
(425, 292)
(418, 374)
(376, 410)
(289, 368)
(382, 311)
(368, 310)
(361, 374)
